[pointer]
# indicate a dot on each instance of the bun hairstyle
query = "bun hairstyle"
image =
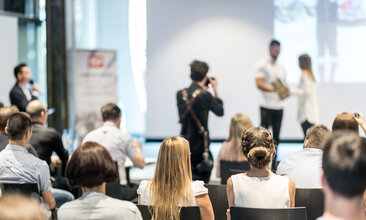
(257, 145)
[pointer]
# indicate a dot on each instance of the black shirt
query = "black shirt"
(46, 141)
(203, 103)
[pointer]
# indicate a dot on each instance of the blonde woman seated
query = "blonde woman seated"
(231, 149)
(172, 184)
(259, 187)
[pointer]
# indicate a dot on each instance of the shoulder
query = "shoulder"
(15, 89)
(198, 188)
(142, 187)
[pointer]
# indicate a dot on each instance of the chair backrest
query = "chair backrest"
(226, 166)
(312, 199)
(186, 213)
(218, 199)
(239, 213)
(27, 189)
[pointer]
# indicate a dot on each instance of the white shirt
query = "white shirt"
(97, 206)
(303, 167)
(197, 189)
(270, 71)
(261, 192)
(307, 100)
(26, 91)
(117, 143)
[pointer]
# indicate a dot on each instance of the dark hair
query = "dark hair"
(5, 113)
(198, 70)
(346, 121)
(18, 69)
(316, 135)
(257, 145)
(18, 124)
(344, 163)
(274, 42)
(1, 105)
(110, 111)
(91, 165)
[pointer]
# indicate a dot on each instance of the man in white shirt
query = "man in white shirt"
(304, 167)
(118, 144)
(268, 71)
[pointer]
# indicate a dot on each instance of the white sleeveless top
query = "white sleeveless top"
(261, 192)
(197, 188)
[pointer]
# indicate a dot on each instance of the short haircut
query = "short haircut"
(316, 135)
(16, 207)
(5, 113)
(18, 69)
(346, 121)
(18, 124)
(35, 109)
(344, 163)
(199, 70)
(274, 42)
(91, 165)
(110, 111)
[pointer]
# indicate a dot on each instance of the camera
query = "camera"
(207, 84)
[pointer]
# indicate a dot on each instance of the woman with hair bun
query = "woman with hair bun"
(260, 187)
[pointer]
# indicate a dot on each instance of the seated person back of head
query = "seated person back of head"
(91, 167)
(259, 187)
(231, 149)
(19, 166)
(348, 121)
(172, 184)
(304, 167)
(344, 178)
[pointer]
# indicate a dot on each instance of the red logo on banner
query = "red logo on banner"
(95, 61)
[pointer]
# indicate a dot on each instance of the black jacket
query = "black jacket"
(204, 103)
(4, 141)
(18, 98)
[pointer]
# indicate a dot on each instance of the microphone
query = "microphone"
(31, 81)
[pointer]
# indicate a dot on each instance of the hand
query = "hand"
(360, 120)
(35, 87)
(228, 214)
(213, 82)
(138, 144)
(55, 161)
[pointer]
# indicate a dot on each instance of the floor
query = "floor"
(151, 150)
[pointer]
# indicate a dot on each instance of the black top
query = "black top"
(18, 98)
(204, 103)
(46, 141)
(4, 140)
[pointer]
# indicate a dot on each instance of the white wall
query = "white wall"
(8, 55)
(229, 35)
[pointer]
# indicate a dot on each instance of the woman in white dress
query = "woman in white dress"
(306, 91)
(260, 187)
(172, 184)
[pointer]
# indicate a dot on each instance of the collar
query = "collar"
(109, 124)
(36, 123)
(22, 86)
(15, 148)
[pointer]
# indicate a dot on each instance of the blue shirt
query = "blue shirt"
(19, 166)
(303, 167)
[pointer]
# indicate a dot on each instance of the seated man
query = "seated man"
(304, 167)
(5, 113)
(118, 144)
(19, 166)
(343, 177)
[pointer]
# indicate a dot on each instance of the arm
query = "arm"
(138, 199)
(204, 203)
(230, 192)
(261, 85)
(361, 121)
(18, 98)
(292, 192)
(49, 200)
(137, 158)
(58, 147)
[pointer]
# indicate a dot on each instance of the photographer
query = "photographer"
(194, 104)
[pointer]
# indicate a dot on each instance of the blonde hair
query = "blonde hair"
(305, 64)
(238, 125)
(171, 184)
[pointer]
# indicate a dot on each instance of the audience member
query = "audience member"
(1, 105)
(172, 184)
(17, 207)
(91, 167)
(343, 178)
(119, 145)
(304, 167)
(349, 121)
(20, 94)
(259, 187)
(5, 113)
(231, 149)
(19, 166)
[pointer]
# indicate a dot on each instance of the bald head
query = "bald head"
(37, 111)
(5, 113)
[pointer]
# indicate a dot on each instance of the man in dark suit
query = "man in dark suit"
(20, 94)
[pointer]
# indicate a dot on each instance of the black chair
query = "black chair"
(226, 166)
(218, 199)
(27, 189)
(186, 213)
(114, 189)
(239, 213)
(312, 199)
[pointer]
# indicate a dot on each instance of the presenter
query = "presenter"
(306, 91)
